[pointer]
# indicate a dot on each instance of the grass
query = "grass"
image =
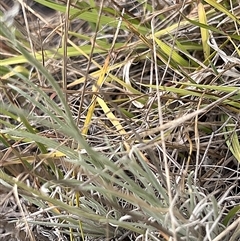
(120, 122)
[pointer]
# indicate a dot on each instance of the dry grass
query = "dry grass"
(120, 120)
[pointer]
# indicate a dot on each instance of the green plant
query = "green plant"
(128, 130)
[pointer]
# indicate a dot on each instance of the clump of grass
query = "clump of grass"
(127, 130)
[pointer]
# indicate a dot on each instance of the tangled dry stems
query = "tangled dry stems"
(191, 161)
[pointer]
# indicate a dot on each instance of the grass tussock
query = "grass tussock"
(119, 120)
